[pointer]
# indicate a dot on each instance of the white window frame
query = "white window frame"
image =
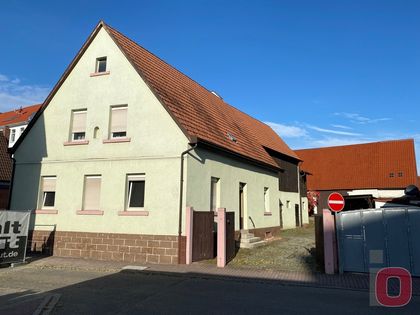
(98, 60)
(111, 133)
(216, 180)
(12, 135)
(44, 193)
(266, 199)
(133, 178)
(72, 133)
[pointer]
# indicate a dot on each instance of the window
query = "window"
(78, 129)
(92, 193)
(100, 65)
(135, 191)
(22, 129)
(266, 200)
(118, 122)
(48, 192)
(400, 174)
(214, 194)
(391, 174)
(12, 135)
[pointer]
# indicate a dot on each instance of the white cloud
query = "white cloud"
(336, 132)
(14, 94)
(359, 119)
(341, 127)
(287, 131)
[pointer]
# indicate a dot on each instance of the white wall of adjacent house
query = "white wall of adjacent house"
(264, 205)
(14, 133)
(378, 193)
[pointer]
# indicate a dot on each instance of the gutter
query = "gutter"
(181, 193)
(11, 181)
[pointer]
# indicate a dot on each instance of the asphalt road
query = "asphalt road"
(23, 289)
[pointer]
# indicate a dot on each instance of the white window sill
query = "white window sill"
(90, 212)
(98, 74)
(76, 142)
(134, 213)
(116, 140)
(45, 211)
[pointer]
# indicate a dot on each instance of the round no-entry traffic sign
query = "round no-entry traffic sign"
(336, 202)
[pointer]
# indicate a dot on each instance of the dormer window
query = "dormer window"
(100, 65)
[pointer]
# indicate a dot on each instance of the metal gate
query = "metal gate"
(203, 236)
(230, 236)
(378, 238)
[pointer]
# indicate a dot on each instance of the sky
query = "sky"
(320, 73)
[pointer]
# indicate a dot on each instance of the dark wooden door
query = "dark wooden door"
(297, 215)
(203, 238)
(230, 236)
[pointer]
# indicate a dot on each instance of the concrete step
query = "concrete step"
(250, 240)
(252, 245)
(247, 236)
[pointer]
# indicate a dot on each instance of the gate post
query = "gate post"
(189, 234)
(329, 242)
(221, 237)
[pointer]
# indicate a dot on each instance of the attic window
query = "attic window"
(231, 137)
(391, 175)
(400, 174)
(100, 65)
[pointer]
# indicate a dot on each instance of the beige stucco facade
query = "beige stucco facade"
(154, 149)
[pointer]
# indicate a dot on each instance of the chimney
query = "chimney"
(6, 132)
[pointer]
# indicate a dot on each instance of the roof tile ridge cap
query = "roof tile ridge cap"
(165, 62)
(359, 144)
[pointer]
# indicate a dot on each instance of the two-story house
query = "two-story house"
(12, 125)
(14, 122)
(124, 142)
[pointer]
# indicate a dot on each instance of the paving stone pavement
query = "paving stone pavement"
(350, 281)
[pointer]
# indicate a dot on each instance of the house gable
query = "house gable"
(150, 128)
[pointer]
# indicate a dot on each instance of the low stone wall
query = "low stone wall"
(158, 249)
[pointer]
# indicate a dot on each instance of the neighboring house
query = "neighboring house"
(102, 162)
(12, 125)
(16, 121)
(5, 171)
(368, 175)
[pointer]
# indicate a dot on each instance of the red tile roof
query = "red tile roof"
(361, 166)
(18, 116)
(198, 111)
(5, 160)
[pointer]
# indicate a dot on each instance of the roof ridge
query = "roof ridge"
(357, 144)
(210, 91)
(167, 63)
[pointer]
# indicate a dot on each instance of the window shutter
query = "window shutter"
(119, 119)
(79, 121)
(48, 183)
(92, 193)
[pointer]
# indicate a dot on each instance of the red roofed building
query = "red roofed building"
(125, 142)
(12, 125)
(16, 121)
(381, 170)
